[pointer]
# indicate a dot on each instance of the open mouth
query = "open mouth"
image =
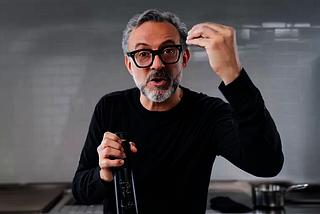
(158, 79)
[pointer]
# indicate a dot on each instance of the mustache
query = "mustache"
(158, 73)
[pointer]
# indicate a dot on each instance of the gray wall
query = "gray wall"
(58, 57)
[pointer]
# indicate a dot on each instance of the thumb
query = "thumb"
(133, 147)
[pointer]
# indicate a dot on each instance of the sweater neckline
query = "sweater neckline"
(173, 111)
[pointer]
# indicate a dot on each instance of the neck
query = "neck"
(163, 106)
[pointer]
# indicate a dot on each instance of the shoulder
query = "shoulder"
(199, 98)
(115, 100)
(205, 107)
(118, 95)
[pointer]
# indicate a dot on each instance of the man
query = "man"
(176, 133)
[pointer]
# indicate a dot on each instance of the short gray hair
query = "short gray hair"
(154, 15)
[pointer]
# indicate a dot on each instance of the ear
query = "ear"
(128, 63)
(185, 58)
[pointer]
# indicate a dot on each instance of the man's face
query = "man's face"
(158, 81)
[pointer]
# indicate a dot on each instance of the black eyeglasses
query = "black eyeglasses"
(144, 57)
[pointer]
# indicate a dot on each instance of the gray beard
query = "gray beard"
(160, 94)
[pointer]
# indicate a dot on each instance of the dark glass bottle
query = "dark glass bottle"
(123, 181)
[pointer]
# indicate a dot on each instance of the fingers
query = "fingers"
(111, 152)
(206, 43)
(220, 44)
(107, 163)
(110, 157)
(111, 140)
(133, 147)
(218, 34)
(209, 29)
(112, 137)
(212, 36)
(203, 31)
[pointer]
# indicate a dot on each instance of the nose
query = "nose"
(157, 63)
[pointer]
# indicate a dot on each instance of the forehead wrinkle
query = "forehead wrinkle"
(149, 34)
(169, 42)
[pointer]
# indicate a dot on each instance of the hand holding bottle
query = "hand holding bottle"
(111, 154)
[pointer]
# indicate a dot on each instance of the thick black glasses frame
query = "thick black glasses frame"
(154, 53)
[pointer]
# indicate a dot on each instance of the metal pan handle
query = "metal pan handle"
(296, 187)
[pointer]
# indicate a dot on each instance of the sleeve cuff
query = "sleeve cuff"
(102, 186)
(240, 91)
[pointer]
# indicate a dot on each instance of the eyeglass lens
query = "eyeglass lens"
(168, 55)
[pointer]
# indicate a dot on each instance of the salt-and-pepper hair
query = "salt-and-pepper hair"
(154, 15)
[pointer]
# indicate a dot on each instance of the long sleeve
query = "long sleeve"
(250, 139)
(87, 186)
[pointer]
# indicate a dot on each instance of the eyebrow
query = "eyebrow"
(170, 41)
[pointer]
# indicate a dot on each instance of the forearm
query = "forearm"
(253, 136)
(88, 188)
(259, 145)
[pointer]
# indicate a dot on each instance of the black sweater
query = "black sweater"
(177, 148)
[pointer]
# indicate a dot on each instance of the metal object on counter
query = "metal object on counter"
(268, 196)
(274, 196)
(303, 193)
(269, 211)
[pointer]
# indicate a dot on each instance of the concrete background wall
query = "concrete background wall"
(58, 57)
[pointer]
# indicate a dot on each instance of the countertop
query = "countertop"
(238, 191)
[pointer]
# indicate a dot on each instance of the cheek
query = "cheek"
(178, 67)
(139, 75)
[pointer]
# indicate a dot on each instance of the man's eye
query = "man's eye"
(168, 51)
(144, 54)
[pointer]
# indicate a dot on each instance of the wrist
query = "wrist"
(106, 176)
(229, 77)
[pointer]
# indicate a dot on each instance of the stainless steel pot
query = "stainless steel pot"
(274, 195)
(268, 196)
